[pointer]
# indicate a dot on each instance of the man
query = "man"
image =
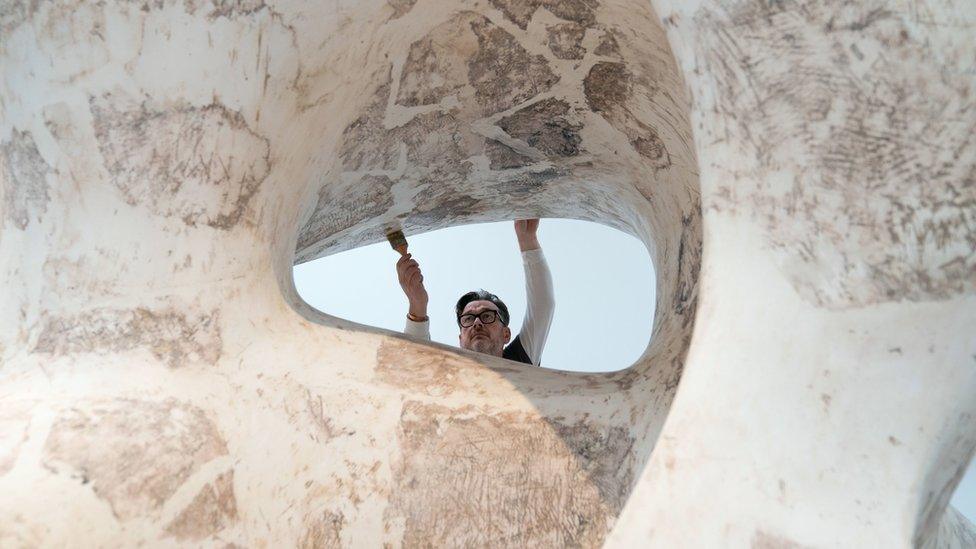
(481, 316)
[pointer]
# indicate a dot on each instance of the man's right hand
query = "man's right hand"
(412, 282)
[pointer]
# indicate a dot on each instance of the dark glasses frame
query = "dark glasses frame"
(495, 315)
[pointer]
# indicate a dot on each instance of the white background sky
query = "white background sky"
(603, 281)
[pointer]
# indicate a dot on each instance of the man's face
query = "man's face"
(484, 338)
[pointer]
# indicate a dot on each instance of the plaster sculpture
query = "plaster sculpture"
(801, 172)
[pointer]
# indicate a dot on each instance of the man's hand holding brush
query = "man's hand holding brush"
(412, 282)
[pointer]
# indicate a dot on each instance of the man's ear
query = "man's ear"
(508, 334)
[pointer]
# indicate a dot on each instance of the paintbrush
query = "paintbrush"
(398, 241)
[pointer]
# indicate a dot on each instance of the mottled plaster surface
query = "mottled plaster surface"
(801, 173)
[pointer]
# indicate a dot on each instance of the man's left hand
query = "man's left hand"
(525, 231)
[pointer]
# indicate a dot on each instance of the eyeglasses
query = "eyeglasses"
(487, 317)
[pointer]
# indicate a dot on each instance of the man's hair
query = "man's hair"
(481, 295)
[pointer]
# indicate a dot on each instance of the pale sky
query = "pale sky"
(603, 281)
(965, 497)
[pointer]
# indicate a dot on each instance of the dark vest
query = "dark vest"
(516, 352)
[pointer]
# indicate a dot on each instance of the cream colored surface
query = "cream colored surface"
(165, 163)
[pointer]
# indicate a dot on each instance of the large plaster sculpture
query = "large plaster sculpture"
(803, 173)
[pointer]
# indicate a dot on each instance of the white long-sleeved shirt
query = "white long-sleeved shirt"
(538, 314)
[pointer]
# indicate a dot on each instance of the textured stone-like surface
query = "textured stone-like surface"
(889, 211)
(325, 531)
(955, 530)
(159, 158)
(14, 422)
(546, 127)
(608, 87)
(810, 372)
(401, 7)
(213, 508)
(502, 157)
(565, 40)
(468, 90)
(25, 197)
(813, 124)
(471, 50)
(517, 474)
(608, 46)
(521, 12)
(135, 454)
(172, 336)
(502, 73)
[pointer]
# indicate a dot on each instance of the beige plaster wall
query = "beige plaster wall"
(164, 164)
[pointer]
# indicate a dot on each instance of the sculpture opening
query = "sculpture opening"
(809, 380)
(603, 285)
(964, 497)
(498, 113)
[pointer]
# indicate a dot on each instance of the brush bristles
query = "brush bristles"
(398, 241)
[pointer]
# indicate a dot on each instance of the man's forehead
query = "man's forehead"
(481, 305)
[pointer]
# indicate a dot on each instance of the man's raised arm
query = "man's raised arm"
(539, 295)
(412, 282)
